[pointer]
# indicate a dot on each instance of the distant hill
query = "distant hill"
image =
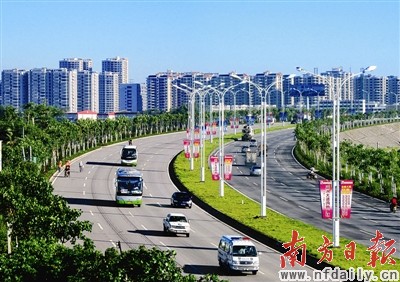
(381, 136)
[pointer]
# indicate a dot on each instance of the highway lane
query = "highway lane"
(292, 194)
(92, 192)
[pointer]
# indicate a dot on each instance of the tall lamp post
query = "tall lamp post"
(263, 190)
(336, 148)
(221, 96)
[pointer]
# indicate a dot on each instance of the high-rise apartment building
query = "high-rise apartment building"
(130, 97)
(88, 91)
(108, 92)
(14, 88)
(117, 65)
(63, 87)
(159, 91)
(38, 86)
(76, 64)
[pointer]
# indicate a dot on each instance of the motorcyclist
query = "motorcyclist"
(67, 168)
(311, 173)
(393, 203)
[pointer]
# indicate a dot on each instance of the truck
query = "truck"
(176, 223)
(247, 133)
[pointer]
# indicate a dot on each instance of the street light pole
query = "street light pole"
(221, 97)
(263, 190)
(336, 149)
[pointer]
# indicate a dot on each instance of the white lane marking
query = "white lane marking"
(255, 184)
(284, 199)
(259, 271)
(150, 195)
(158, 204)
(101, 227)
(269, 191)
(303, 208)
(131, 214)
(89, 172)
(191, 230)
(368, 233)
(83, 192)
(91, 213)
(113, 243)
(214, 245)
(364, 217)
(144, 227)
(86, 178)
(84, 184)
(374, 221)
(247, 177)
(164, 245)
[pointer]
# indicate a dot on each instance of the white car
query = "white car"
(176, 223)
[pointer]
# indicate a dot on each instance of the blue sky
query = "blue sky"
(206, 36)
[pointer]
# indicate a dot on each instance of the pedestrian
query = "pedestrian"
(80, 166)
(59, 166)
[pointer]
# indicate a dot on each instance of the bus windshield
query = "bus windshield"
(128, 153)
(130, 185)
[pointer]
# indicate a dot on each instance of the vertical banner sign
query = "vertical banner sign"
(197, 133)
(228, 161)
(186, 144)
(237, 123)
(231, 121)
(208, 132)
(214, 128)
(325, 189)
(188, 133)
(214, 167)
(346, 191)
(196, 148)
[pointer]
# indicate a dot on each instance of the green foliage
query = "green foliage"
(39, 260)
(374, 171)
(29, 205)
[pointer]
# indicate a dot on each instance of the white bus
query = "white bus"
(128, 186)
(129, 155)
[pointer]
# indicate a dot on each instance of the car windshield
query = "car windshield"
(182, 196)
(178, 218)
(244, 251)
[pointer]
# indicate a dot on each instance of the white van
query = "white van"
(238, 253)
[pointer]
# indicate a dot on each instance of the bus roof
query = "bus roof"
(128, 172)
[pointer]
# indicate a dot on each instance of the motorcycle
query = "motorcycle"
(67, 172)
(393, 208)
(311, 175)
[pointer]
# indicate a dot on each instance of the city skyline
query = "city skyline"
(203, 36)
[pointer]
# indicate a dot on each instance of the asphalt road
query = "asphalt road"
(92, 191)
(292, 194)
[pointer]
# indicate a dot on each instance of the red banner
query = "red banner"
(214, 128)
(228, 161)
(186, 147)
(196, 148)
(325, 189)
(346, 191)
(214, 161)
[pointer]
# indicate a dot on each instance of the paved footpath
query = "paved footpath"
(381, 136)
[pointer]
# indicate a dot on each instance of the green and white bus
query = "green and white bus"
(128, 186)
